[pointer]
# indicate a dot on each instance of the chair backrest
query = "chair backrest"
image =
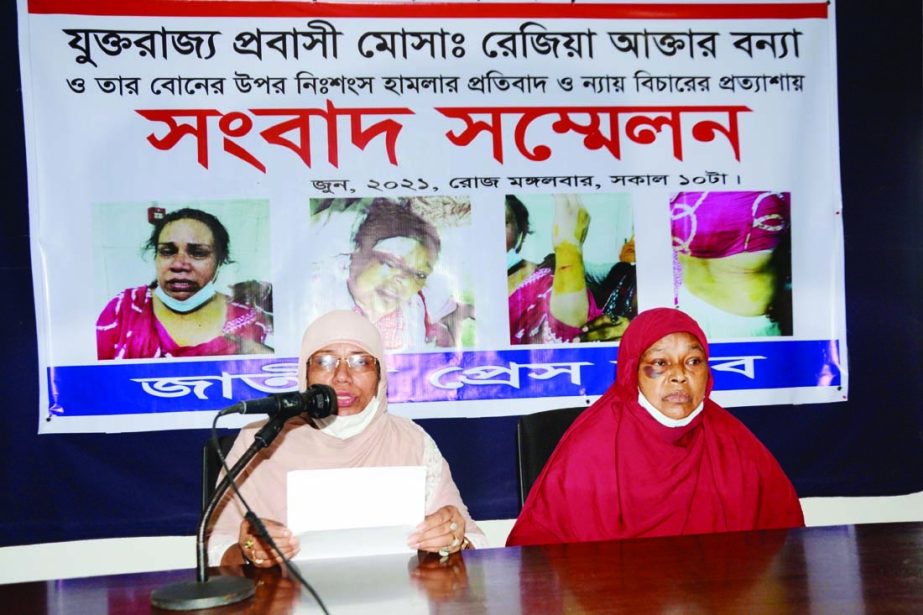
(211, 464)
(537, 435)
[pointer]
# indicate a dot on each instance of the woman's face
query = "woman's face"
(673, 374)
(185, 259)
(355, 386)
(385, 277)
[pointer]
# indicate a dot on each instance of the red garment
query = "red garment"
(618, 473)
(128, 329)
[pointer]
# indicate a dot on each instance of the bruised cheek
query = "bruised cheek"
(369, 277)
(651, 372)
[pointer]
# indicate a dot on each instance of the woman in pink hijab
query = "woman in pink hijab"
(344, 350)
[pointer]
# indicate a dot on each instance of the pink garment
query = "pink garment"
(531, 321)
(386, 441)
(619, 473)
(128, 329)
(718, 224)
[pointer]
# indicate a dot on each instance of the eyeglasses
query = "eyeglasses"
(357, 363)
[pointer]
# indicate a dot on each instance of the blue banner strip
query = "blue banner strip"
(176, 386)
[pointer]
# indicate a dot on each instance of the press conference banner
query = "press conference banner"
(500, 187)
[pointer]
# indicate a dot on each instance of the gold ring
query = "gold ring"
(453, 526)
(444, 552)
(248, 544)
(455, 542)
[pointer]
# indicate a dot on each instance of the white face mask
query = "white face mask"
(202, 296)
(662, 418)
(343, 427)
(513, 258)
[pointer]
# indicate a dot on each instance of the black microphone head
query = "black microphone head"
(320, 401)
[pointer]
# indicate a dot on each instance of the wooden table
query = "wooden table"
(846, 569)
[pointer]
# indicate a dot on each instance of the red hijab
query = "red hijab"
(619, 473)
(646, 329)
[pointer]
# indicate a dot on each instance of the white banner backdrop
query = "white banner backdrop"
(396, 159)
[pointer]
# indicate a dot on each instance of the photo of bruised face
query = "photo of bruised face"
(384, 276)
(404, 263)
(185, 258)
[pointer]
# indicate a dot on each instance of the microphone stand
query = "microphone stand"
(204, 593)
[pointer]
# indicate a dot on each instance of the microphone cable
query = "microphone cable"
(257, 524)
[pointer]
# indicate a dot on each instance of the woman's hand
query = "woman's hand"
(257, 551)
(571, 221)
(442, 532)
(603, 328)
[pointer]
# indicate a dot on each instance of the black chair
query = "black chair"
(537, 435)
(211, 464)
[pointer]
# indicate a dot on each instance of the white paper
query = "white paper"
(347, 512)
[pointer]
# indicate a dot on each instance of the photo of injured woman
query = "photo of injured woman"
(732, 262)
(399, 262)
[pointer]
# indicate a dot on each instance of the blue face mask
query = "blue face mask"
(513, 258)
(203, 296)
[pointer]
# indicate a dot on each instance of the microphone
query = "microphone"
(318, 401)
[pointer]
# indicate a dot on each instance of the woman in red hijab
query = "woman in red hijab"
(654, 456)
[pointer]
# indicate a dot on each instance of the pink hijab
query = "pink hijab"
(619, 473)
(386, 441)
(345, 326)
(340, 326)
